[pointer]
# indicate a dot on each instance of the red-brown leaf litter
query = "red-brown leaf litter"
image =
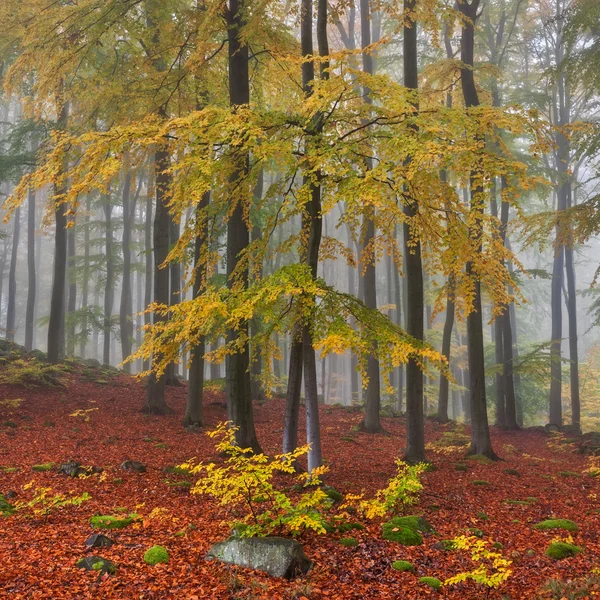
(38, 556)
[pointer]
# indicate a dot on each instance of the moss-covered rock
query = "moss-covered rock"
(517, 502)
(112, 521)
(332, 493)
(156, 554)
(402, 565)
(445, 545)
(42, 467)
(432, 582)
(406, 530)
(564, 524)
(560, 550)
(96, 563)
(344, 527)
(349, 542)
(6, 508)
(480, 482)
(480, 458)
(512, 472)
(460, 467)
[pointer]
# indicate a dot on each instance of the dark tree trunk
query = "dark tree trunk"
(292, 406)
(85, 284)
(71, 286)
(239, 398)
(398, 321)
(56, 338)
(193, 408)
(371, 423)
(109, 288)
(480, 434)
(256, 356)
(415, 427)
(155, 397)
(149, 269)
(172, 370)
(11, 311)
(442, 411)
(31, 272)
(125, 308)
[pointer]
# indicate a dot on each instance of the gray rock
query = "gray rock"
(279, 557)
(97, 540)
(96, 563)
(133, 465)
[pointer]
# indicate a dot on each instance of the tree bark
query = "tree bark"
(109, 287)
(125, 308)
(193, 409)
(480, 434)
(11, 311)
(31, 272)
(239, 398)
(415, 302)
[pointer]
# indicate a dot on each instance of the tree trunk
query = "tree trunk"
(155, 397)
(415, 426)
(31, 272)
(149, 269)
(86, 274)
(239, 399)
(398, 321)
(371, 423)
(125, 308)
(292, 406)
(11, 311)
(480, 434)
(193, 408)
(172, 370)
(109, 291)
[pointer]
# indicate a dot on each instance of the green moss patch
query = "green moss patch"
(560, 550)
(480, 482)
(402, 565)
(406, 530)
(349, 542)
(512, 472)
(156, 554)
(564, 524)
(112, 521)
(432, 582)
(6, 508)
(461, 467)
(41, 468)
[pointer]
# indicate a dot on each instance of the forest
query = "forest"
(299, 300)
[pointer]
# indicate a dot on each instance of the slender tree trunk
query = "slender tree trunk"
(480, 434)
(155, 397)
(239, 398)
(31, 272)
(109, 290)
(11, 311)
(172, 371)
(149, 267)
(125, 308)
(442, 411)
(86, 274)
(371, 423)
(71, 287)
(292, 407)
(415, 426)
(398, 321)
(56, 338)
(193, 409)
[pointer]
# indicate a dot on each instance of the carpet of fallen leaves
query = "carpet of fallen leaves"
(37, 556)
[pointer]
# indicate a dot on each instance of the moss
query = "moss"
(559, 550)
(402, 565)
(344, 527)
(161, 446)
(476, 532)
(569, 474)
(445, 545)
(112, 522)
(405, 530)
(517, 502)
(565, 524)
(10, 469)
(180, 534)
(480, 458)
(347, 438)
(512, 472)
(43, 467)
(332, 493)
(461, 467)
(156, 554)
(432, 582)
(349, 542)
(6, 508)
(531, 499)
(480, 482)
(497, 546)
(482, 516)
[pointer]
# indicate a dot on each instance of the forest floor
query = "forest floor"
(38, 555)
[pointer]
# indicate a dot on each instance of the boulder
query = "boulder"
(590, 443)
(75, 469)
(97, 540)
(96, 563)
(279, 557)
(133, 465)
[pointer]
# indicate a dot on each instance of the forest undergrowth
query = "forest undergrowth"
(98, 423)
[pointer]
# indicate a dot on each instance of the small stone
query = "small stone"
(97, 563)
(97, 540)
(133, 465)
